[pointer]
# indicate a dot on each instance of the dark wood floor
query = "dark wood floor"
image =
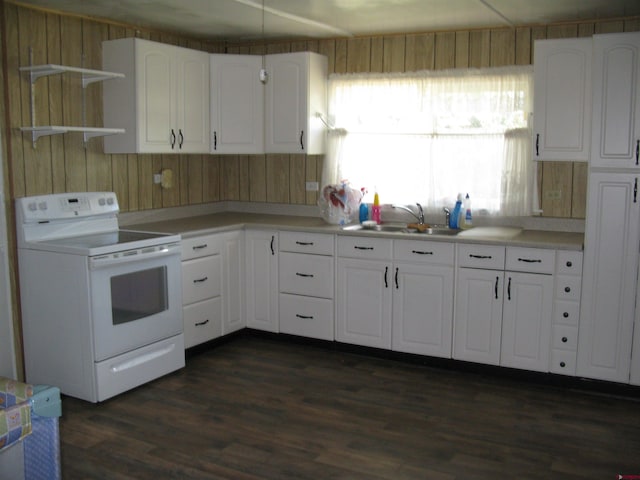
(259, 408)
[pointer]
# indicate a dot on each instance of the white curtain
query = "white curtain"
(427, 136)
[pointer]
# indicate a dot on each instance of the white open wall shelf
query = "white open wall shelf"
(88, 77)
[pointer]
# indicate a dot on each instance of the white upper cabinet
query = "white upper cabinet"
(296, 103)
(163, 101)
(615, 139)
(237, 104)
(562, 99)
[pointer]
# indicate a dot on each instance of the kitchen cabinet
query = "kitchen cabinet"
(527, 308)
(566, 312)
(233, 281)
(610, 270)
(163, 101)
(562, 99)
(306, 283)
(478, 303)
(261, 263)
(363, 291)
(296, 103)
(615, 137)
(422, 285)
(237, 104)
(202, 279)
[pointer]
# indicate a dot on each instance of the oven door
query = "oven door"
(136, 299)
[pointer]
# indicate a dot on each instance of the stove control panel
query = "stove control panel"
(60, 206)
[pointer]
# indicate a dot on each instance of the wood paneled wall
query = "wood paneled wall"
(62, 163)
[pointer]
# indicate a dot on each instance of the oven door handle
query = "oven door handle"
(140, 255)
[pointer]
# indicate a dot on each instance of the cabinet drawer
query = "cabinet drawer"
(568, 288)
(365, 247)
(423, 251)
(564, 337)
(563, 362)
(201, 279)
(202, 321)
(202, 246)
(568, 263)
(533, 260)
(566, 312)
(306, 316)
(300, 242)
(481, 256)
(306, 274)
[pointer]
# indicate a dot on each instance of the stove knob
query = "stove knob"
(42, 205)
(32, 206)
(101, 202)
(110, 201)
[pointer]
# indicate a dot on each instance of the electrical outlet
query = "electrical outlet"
(553, 194)
(312, 187)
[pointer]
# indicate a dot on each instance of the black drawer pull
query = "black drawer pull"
(362, 248)
(305, 275)
(200, 280)
(305, 317)
(199, 247)
(420, 252)
(304, 243)
(529, 260)
(482, 257)
(564, 339)
(199, 324)
(569, 264)
(565, 314)
(567, 289)
(562, 364)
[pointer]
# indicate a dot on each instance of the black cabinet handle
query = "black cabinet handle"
(482, 257)
(567, 289)
(386, 271)
(420, 252)
(200, 280)
(509, 290)
(302, 139)
(181, 138)
(529, 260)
(564, 339)
(637, 151)
(562, 364)
(305, 244)
(362, 248)
(496, 287)
(306, 317)
(273, 239)
(397, 286)
(537, 144)
(173, 139)
(215, 140)
(565, 314)
(199, 324)
(569, 264)
(199, 247)
(304, 275)
(635, 190)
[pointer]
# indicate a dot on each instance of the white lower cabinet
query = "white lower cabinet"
(234, 317)
(478, 307)
(363, 291)
(423, 297)
(306, 283)
(261, 274)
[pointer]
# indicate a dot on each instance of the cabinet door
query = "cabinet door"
(526, 321)
(423, 309)
(156, 96)
(562, 99)
(609, 277)
(237, 104)
(478, 317)
(233, 283)
(191, 123)
(364, 302)
(261, 248)
(616, 106)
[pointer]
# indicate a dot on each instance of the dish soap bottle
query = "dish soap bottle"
(375, 209)
(467, 221)
(454, 218)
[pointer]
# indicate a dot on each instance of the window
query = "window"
(427, 136)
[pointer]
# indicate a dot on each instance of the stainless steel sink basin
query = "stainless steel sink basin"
(402, 228)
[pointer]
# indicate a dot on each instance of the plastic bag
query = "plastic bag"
(339, 204)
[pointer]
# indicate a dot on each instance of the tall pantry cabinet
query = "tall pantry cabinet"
(612, 232)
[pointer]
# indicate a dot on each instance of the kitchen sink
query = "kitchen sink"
(402, 228)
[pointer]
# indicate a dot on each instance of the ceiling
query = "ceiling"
(245, 20)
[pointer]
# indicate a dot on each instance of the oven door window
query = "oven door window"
(138, 294)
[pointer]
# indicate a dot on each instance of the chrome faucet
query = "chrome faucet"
(447, 215)
(419, 216)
